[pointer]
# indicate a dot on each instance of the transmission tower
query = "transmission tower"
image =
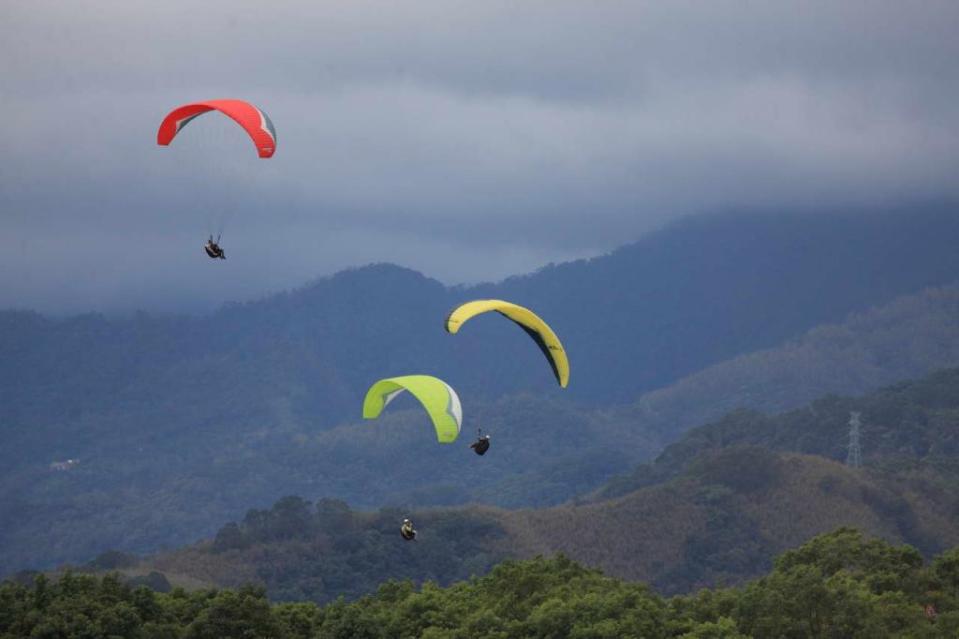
(854, 454)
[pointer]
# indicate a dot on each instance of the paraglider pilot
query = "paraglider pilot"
(213, 249)
(481, 445)
(406, 530)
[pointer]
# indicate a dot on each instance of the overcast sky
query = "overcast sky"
(469, 140)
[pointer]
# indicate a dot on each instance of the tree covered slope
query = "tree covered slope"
(840, 584)
(713, 509)
(181, 424)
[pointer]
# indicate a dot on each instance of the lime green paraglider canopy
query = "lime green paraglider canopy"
(437, 397)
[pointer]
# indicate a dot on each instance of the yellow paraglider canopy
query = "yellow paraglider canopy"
(529, 321)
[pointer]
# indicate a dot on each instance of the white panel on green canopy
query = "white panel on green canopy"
(437, 397)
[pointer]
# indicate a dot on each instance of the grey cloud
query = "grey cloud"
(469, 140)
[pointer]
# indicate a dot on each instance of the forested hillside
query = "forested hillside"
(840, 584)
(907, 338)
(677, 301)
(182, 423)
(713, 509)
(906, 425)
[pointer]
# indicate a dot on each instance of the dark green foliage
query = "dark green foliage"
(83, 606)
(839, 585)
(235, 615)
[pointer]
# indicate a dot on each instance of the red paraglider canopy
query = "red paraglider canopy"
(255, 122)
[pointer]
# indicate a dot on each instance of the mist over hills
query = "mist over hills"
(696, 293)
(181, 423)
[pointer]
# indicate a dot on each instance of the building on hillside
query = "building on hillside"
(64, 465)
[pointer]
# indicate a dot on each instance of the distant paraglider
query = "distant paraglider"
(255, 122)
(437, 397)
(213, 249)
(538, 330)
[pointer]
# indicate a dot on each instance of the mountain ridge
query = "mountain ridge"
(712, 509)
(262, 399)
